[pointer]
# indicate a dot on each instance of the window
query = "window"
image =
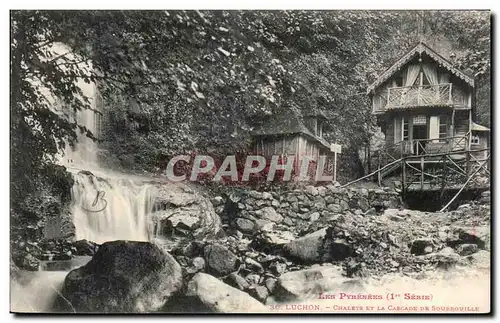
(475, 140)
(406, 128)
(443, 128)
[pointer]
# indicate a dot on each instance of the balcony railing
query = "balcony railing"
(416, 96)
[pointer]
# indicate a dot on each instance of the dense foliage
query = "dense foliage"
(199, 81)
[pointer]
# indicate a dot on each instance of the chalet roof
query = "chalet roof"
(478, 127)
(287, 124)
(419, 49)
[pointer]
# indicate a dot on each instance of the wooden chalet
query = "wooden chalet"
(425, 107)
(293, 134)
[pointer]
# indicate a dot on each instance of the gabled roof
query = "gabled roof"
(420, 48)
(287, 124)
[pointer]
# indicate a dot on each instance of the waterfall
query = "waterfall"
(104, 207)
(111, 209)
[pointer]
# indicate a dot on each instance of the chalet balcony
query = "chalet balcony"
(440, 95)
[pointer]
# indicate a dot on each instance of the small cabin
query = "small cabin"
(293, 134)
(424, 105)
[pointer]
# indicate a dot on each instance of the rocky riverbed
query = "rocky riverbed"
(351, 250)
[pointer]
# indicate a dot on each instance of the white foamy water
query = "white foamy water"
(111, 209)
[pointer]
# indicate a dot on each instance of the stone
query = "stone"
(244, 225)
(275, 203)
(309, 283)
(334, 208)
(321, 190)
(344, 205)
(84, 248)
(314, 216)
(271, 284)
(480, 259)
(363, 204)
(254, 265)
(185, 214)
(311, 190)
(220, 260)
(467, 249)
(288, 221)
(307, 248)
(269, 213)
(198, 263)
(278, 268)
(235, 280)
(260, 293)
(371, 211)
(267, 196)
(219, 297)
(264, 225)
(123, 276)
(218, 200)
(255, 194)
(252, 279)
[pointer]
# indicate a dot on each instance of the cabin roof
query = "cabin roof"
(287, 124)
(419, 49)
(478, 127)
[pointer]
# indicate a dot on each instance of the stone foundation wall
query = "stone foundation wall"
(252, 211)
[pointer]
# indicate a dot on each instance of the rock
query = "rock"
(309, 283)
(344, 205)
(371, 211)
(271, 284)
(218, 200)
(267, 196)
(185, 213)
(264, 225)
(334, 208)
(235, 280)
(447, 251)
(363, 204)
(467, 249)
(277, 268)
(311, 190)
(307, 248)
(123, 276)
(480, 259)
(252, 279)
(244, 225)
(269, 213)
(198, 263)
(422, 246)
(260, 293)
(254, 265)
(29, 262)
(84, 248)
(220, 260)
(221, 298)
(314, 216)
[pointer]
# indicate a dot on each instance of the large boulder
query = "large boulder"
(309, 283)
(220, 260)
(123, 276)
(185, 213)
(308, 248)
(221, 298)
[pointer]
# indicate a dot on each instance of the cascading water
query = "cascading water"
(111, 209)
(105, 208)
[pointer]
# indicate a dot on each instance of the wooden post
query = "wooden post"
(335, 166)
(403, 174)
(379, 174)
(450, 97)
(422, 173)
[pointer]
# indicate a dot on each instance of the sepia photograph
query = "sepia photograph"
(250, 161)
